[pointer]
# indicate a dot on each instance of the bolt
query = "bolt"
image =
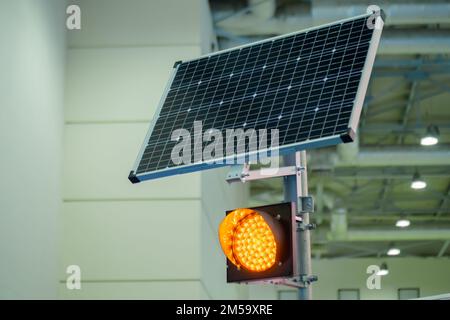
(311, 226)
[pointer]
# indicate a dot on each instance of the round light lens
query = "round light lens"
(254, 245)
(248, 241)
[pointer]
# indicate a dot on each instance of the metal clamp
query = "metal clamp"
(306, 227)
(299, 169)
(305, 205)
(242, 173)
(308, 279)
(302, 281)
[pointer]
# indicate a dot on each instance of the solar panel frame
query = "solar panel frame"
(282, 149)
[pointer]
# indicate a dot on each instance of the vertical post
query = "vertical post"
(295, 187)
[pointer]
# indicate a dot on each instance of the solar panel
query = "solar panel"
(310, 85)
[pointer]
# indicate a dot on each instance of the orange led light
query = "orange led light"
(247, 240)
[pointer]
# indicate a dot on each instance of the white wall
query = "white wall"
(217, 198)
(32, 62)
(131, 241)
(431, 275)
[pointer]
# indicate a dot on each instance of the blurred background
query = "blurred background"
(74, 109)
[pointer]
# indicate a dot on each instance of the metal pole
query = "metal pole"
(296, 186)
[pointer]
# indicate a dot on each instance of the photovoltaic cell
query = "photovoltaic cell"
(309, 85)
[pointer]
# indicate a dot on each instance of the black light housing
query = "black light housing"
(280, 218)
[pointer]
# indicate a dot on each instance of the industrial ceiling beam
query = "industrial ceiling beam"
(374, 212)
(398, 128)
(352, 246)
(356, 217)
(383, 176)
(394, 42)
(408, 108)
(443, 86)
(403, 13)
(400, 198)
(258, 18)
(395, 105)
(394, 235)
(384, 193)
(407, 74)
(419, 41)
(368, 251)
(443, 249)
(415, 63)
(444, 202)
(399, 158)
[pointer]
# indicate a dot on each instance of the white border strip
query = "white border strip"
(365, 76)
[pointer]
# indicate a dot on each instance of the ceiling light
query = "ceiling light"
(417, 182)
(383, 270)
(402, 223)
(393, 252)
(429, 141)
(418, 185)
(431, 137)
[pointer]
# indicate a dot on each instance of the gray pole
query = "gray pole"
(296, 186)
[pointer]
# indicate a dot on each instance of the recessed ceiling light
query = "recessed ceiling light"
(393, 252)
(402, 223)
(431, 137)
(417, 182)
(418, 185)
(429, 141)
(383, 270)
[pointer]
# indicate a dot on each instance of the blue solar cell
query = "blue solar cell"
(308, 85)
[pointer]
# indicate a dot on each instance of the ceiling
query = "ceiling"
(362, 189)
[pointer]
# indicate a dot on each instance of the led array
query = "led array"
(248, 240)
(254, 244)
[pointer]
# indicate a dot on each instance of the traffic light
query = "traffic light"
(259, 243)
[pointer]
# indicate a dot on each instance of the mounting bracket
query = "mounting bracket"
(242, 173)
(296, 190)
